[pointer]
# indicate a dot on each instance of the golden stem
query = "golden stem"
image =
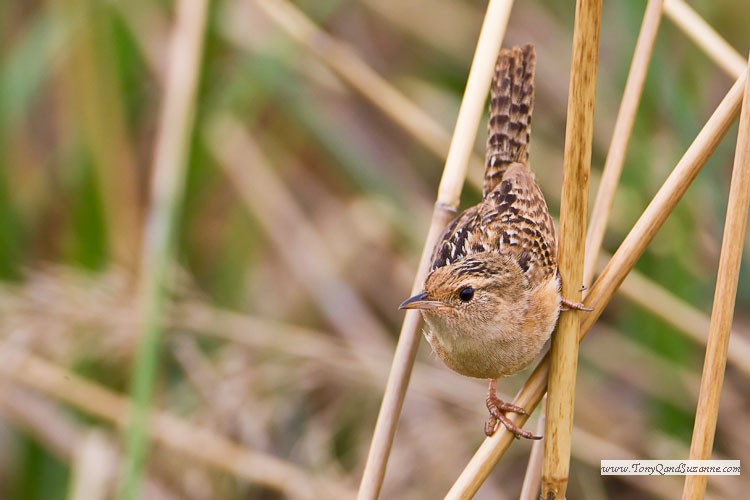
(533, 477)
(574, 202)
(723, 308)
(631, 98)
(451, 184)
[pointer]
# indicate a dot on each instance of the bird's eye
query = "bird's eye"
(466, 294)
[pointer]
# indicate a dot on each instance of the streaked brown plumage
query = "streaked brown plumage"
(491, 299)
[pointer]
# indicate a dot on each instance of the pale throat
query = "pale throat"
(501, 325)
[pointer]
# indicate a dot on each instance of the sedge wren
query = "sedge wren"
(492, 297)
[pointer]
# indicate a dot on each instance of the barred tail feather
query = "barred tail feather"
(511, 105)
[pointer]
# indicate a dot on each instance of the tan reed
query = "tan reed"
(723, 308)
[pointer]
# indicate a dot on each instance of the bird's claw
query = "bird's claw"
(497, 410)
(569, 304)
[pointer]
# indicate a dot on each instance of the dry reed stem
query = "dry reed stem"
(295, 238)
(613, 274)
(170, 165)
(449, 191)
(723, 309)
(571, 248)
(168, 430)
(631, 98)
(472, 105)
(533, 476)
(705, 37)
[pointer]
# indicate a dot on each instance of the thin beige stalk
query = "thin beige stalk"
(631, 98)
(723, 309)
(168, 430)
(611, 277)
(533, 477)
(449, 191)
(705, 37)
(571, 248)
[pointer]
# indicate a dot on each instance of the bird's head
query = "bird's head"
(475, 292)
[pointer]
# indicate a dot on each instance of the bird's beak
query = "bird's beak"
(420, 301)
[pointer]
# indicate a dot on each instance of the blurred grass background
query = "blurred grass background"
(255, 351)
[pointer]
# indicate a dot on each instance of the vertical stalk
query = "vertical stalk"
(170, 161)
(723, 308)
(631, 98)
(449, 192)
(576, 170)
(533, 477)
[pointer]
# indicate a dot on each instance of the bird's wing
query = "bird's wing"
(461, 238)
(512, 220)
(517, 223)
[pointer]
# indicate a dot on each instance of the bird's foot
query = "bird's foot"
(498, 410)
(569, 304)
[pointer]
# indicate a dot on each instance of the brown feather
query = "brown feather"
(511, 106)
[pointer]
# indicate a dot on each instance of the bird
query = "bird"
(492, 296)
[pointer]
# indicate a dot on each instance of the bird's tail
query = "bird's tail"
(511, 105)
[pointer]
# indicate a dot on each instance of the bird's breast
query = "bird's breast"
(495, 349)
